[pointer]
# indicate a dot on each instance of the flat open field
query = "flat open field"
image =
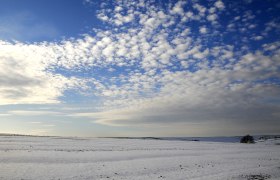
(24, 157)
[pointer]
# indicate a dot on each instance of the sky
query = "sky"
(140, 67)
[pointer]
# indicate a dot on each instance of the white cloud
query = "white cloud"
(88, 1)
(257, 38)
(5, 115)
(35, 122)
(201, 9)
(203, 30)
(220, 5)
(212, 17)
(33, 113)
(178, 8)
(24, 77)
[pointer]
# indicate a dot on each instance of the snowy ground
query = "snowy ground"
(23, 157)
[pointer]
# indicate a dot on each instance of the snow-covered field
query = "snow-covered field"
(23, 157)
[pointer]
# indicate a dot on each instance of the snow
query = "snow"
(27, 157)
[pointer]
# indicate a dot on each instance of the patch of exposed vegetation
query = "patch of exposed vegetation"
(247, 139)
(256, 176)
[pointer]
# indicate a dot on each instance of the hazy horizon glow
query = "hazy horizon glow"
(140, 68)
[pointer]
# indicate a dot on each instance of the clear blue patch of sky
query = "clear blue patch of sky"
(71, 18)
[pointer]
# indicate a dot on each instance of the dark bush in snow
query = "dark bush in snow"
(247, 139)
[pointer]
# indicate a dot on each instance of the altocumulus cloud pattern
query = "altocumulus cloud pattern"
(177, 64)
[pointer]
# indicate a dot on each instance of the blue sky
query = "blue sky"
(140, 68)
(35, 21)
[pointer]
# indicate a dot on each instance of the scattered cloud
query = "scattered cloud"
(203, 30)
(219, 5)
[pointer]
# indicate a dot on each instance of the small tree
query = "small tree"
(247, 139)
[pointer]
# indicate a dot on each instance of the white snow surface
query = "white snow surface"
(27, 157)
